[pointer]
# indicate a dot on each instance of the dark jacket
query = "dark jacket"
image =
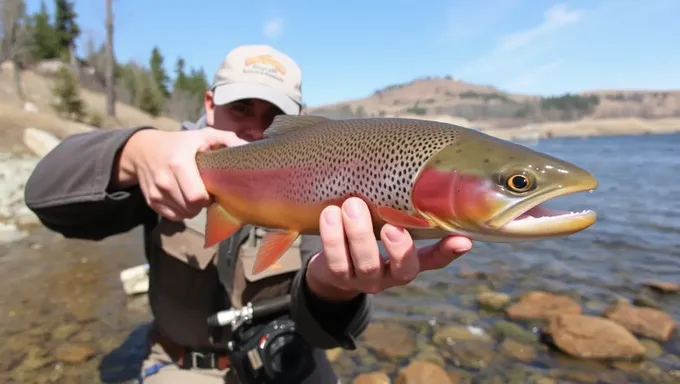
(70, 191)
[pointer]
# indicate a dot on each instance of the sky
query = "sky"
(349, 49)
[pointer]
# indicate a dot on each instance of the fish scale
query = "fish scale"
(375, 158)
(434, 179)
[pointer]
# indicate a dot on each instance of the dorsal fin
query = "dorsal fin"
(283, 124)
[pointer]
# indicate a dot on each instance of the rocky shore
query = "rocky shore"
(537, 337)
(15, 217)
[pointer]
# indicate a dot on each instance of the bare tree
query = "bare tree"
(15, 37)
(110, 63)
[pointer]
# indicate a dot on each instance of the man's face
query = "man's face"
(247, 118)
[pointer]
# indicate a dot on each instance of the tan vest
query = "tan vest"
(233, 258)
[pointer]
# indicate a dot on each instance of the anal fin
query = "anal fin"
(401, 219)
(274, 244)
(219, 225)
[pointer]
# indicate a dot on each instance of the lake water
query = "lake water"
(636, 237)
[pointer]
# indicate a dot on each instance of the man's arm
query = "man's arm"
(326, 324)
(73, 190)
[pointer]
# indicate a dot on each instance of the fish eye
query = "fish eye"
(518, 183)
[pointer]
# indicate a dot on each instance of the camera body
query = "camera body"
(271, 352)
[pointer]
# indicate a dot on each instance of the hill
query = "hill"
(489, 108)
(16, 115)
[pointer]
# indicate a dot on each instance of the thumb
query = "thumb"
(216, 137)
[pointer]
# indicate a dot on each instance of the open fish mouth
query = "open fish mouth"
(541, 215)
(535, 219)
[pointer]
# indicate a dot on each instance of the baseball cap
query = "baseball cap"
(259, 72)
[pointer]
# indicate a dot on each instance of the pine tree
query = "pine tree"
(44, 43)
(181, 80)
(66, 93)
(148, 98)
(158, 72)
(67, 30)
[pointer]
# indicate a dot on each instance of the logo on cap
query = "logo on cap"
(264, 63)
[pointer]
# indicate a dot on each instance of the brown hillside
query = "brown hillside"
(38, 90)
(487, 107)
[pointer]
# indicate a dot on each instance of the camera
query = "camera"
(266, 347)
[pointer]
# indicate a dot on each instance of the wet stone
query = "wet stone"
(542, 305)
(591, 337)
(390, 340)
(647, 322)
(522, 352)
(494, 301)
(515, 332)
(74, 353)
(422, 372)
(372, 378)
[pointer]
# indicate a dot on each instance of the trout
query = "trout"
(431, 178)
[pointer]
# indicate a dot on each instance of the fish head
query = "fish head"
(493, 189)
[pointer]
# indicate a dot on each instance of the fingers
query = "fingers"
(216, 137)
(334, 245)
(363, 247)
(193, 194)
(442, 253)
(404, 265)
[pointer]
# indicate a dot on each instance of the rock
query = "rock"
(449, 335)
(645, 299)
(522, 352)
(65, 331)
(515, 332)
(471, 355)
(663, 286)
(493, 300)
(75, 353)
(647, 322)
(542, 305)
(390, 340)
(591, 337)
(372, 378)
(423, 372)
(653, 349)
(333, 354)
(9, 233)
(431, 354)
(39, 141)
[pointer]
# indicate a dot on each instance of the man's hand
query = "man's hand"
(164, 165)
(350, 262)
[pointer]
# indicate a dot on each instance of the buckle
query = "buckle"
(202, 360)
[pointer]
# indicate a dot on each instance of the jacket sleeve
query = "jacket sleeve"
(69, 190)
(326, 324)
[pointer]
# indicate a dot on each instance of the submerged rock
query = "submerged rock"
(644, 321)
(542, 305)
(591, 337)
(423, 372)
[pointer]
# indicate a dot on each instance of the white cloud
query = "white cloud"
(518, 60)
(555, 18)
(273, 27)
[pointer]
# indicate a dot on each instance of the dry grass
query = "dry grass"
(38, 89)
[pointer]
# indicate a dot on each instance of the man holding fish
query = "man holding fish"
(107, 182)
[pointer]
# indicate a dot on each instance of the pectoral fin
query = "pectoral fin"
(401, 219)
(219, 225)
(273, 246)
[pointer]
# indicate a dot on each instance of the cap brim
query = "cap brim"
(227, 93)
